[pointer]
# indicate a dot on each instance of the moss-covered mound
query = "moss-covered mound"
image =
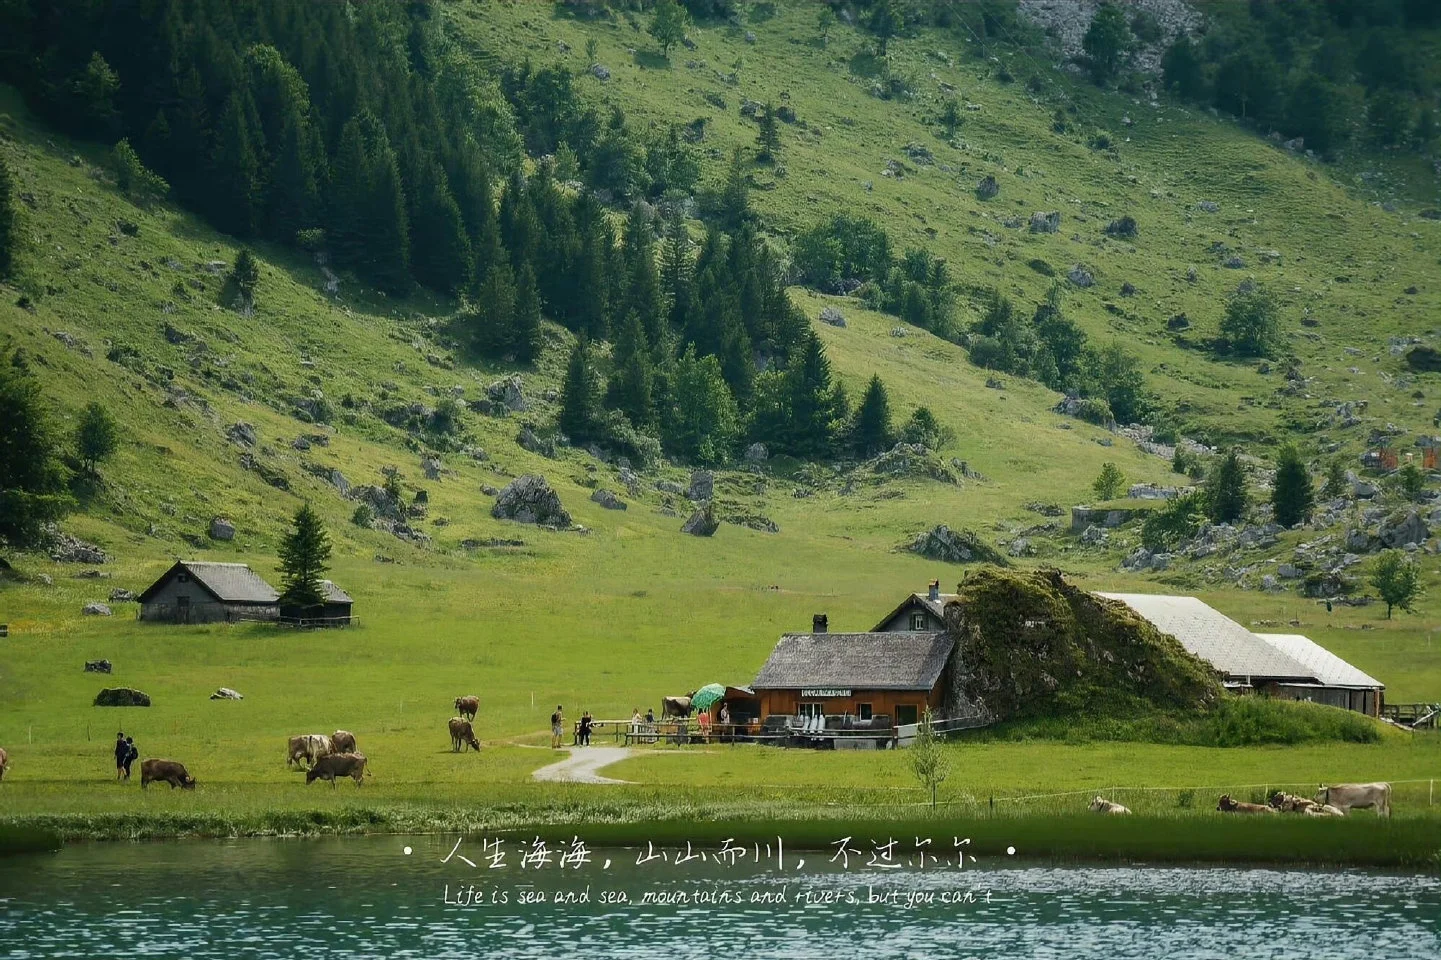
(1031, 645)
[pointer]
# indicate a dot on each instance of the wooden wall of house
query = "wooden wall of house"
(883, 702)
(1361, 701)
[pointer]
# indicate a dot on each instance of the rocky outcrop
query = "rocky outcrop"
(1083, 517)
(954, 546)
(121, 697)
(225, 693)
(98, 666)
(530, 499)
(702, 523)
(508, 392)
(1046, 222)
(608, 499)
(832, 317)
(96, 610)
(702, 486)
(1401, 528)
(221, 529)
(67, 549)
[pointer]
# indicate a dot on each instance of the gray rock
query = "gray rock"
(529, 441)
(608, 499)
(1288, 571)
(1080, 276)
(221, 529)
(225, 693)
(1359, 541)
(67, 549)
(1270, 584)
(1021, 547)
(508, 392)
(702, 523)
(96, 610)
(987, 188)
(750, 36)
(1046, 222)
(300, 443)
(98, 666)
(757, 453)
(1210, 206)
(1361, 489)
(337, 480)
(671, 487)
(954, 546)
(1234, 263)
(431, 466)
(488, 490)
(121, 595)
(530, 499)
(832, 316)
(1402, 528)
(243, 434)
(599, 71)
(121, 697)
(1095, 536)
(702, 486)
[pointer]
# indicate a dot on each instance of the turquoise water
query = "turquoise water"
(366, 897)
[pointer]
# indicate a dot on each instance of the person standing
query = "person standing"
(132, 753)
(585, 725)
(635, 724)
(557, 724)
(122, 751)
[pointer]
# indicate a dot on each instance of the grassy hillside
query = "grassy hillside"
(632, 609)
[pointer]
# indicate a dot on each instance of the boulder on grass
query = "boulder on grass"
(96, 610)
(97, 666)
(530, 499)
(954, 546)
(225, 693)
(702, 523)
(121, 697)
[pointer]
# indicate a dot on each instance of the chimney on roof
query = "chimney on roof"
(819, 623)
(935, 592)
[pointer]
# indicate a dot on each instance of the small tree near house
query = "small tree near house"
(304, 558)
(1397, 578)
(928, 758)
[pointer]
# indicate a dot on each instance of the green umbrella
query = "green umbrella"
(707, 696)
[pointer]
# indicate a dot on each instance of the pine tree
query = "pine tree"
(768, 138)
(491, 318)
(871, 432)
(9, 228)
(96, 436)
(304, 558)
(1107, 486)
(580, 411)
(735, 195)
(441, 244)
(703, 424)
(809, 426)
(1293, 497)
(1107, 42)
(236, 194)
(525, 320)
(631, 387)
(1226, 489)
(32, 479)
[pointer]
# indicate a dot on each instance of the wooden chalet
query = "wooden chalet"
(194, 591)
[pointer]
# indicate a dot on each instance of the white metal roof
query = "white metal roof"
(1329, 669)
(1214, 637)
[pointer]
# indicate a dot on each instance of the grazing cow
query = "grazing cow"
(675, 706)
(467, 707)
(172, 772)
(1324, 810)
(461, 735)
(342, 741)
(1344, 796)
(1227, 805)
(309, 747)
(4, 763)
(337, 765)
(1100, 805)
(1288, 803)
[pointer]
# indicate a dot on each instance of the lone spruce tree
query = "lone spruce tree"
(1293, 497)
(304, 558)
(1226, 489)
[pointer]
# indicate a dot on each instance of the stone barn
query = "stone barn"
(194, 591)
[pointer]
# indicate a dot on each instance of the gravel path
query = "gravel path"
(582, 764)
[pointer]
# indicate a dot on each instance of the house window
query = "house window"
(811, 710)
(863, 711)
(918, 621)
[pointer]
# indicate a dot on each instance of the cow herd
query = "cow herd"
(327, 757)
(1334, 801)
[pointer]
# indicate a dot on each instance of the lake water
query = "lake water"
(367, 897)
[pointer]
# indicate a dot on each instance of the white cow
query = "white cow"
(1100, 805)
(1344, 796)
(309, 747)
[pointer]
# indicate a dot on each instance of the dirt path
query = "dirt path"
(582, 764)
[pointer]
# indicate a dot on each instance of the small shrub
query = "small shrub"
(363, 516)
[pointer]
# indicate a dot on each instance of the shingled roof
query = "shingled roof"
(859, 661)
(227, 582)
(334, 594)
(1331, 670)
(1214, 637)
(937, 607)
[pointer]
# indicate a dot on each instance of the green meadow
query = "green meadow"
(632, 610)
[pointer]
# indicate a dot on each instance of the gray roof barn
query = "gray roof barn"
(1214, 637)
(227, 582)
(1328, 669)
(333, 594)
(863, 661)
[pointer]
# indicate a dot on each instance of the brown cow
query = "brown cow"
(1227, 805)
(1289, 803)
(461, 735)
(4, 763)
(675, 706)
(342, 741)
(172, 772)
(334, 765)
(467, 707)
